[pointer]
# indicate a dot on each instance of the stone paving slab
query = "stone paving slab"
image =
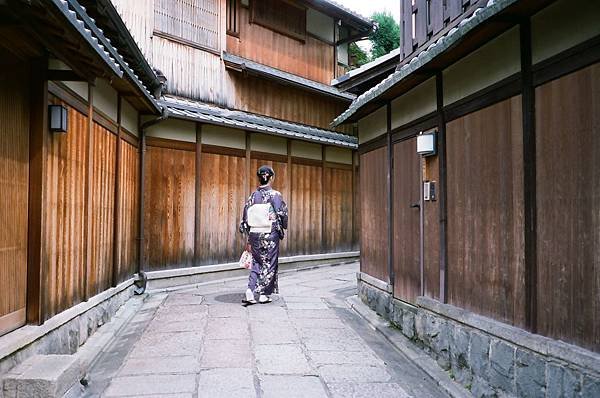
(282, 359)
(227, 311)
(279, 332)
(226, 383)
(364, 358)
(167, 344)
(367, 390)
(151, 384)
(292, 387)
(227, 328)
(160, 326)
(167, 365)
(354, 373)
(227, 354)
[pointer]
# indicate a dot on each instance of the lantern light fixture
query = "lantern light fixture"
(426, 143)
(58, 118)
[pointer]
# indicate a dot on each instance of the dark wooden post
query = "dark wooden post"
(529, 177)
(117, 209)
(141, 200)
(290, 195)
(439, 85)
(89, 175)
(198, 201)
(248, 163)
(38, 139)
(323, 201)
(353, 200)
(390, 193)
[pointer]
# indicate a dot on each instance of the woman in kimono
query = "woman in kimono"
(264, 220)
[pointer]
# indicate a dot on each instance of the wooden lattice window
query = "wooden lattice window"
(192, 22)
(233, 18)
(281, 16)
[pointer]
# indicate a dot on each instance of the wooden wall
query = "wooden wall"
(222, 200)
(64, 254)
(312, 59)
(338, 219)
(568, 208)
(485, 212)
(374, 214)
(306, 212)
(14, 180)
(169, 198)
(129, 211)
(406, 191)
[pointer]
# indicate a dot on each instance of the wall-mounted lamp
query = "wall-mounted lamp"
(58, 118)
(426, 143)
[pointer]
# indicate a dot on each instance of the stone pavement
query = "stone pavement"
(202, 342)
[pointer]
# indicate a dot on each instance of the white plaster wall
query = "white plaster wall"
(372, 125)
(319, 25)
(268, 143)
(223, 136)
(416, 103)
(489, 64)
(562, 25)
(308, 150)
(173, 129)
(338, 155)
(105, 99)
(129, 117)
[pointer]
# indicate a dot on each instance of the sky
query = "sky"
(368, 7)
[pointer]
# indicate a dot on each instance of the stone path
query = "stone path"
(307, 343)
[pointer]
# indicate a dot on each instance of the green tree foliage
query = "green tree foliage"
(357, 56)
(386, 35)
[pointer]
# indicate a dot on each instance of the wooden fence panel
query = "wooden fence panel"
(306, 209)
(129, 211)
(568, 208)
(169, 196)
(103, 209)
(64, 251)
(485, 212)
(406, 191)
(223, 198)
(280, 184)
(14, 180)
(374, 213)
(338, 210)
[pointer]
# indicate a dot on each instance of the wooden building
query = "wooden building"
(498, 231)
(170, 108)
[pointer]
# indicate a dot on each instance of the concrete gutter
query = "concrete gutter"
(158, 280)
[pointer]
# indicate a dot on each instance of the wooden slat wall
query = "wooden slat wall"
(262, 96)
(306, 216)
(139, 19)
(312, 59)
(568, 208)
(14, 180)
(485, 212)
(64, 251)
(280, 184)
(432, 232)
(406, 189)
(169, 208)
(223, 198)
(103, 206)
(374, 214)
(338, 210)
(129, 211)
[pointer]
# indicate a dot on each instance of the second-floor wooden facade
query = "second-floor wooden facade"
(188, 40)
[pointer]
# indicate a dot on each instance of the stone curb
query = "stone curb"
(401, 343)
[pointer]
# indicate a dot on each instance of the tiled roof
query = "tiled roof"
(435, 49)
(340, 7)
(198, 111)
(76, 14)
(367, 67)
(285, 77)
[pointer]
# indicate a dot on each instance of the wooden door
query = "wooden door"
(14, 180)
(406, 216)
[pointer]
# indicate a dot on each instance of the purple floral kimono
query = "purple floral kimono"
(265, 246)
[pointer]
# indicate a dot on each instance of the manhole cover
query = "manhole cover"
(236, 298)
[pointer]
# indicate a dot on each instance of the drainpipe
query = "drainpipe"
(141, 278)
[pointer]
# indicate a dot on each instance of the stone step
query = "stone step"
(43, 376)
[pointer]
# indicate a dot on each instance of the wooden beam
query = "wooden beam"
(354, 154)
(141, 201)
(529, 177)
(198, 201)
(38, 136)
(117, 209)
(443, 195)
(65, 76)
(390, 194)
(89, 175)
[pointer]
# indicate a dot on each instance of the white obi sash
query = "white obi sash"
(260, 217)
